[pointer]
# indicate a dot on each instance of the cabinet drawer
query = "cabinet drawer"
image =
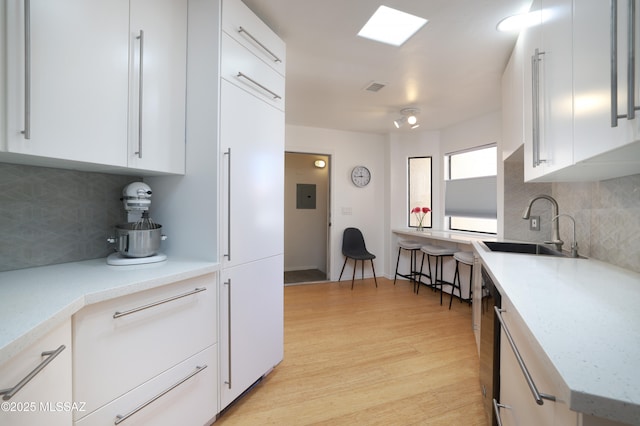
(242, 68)
(114, 355)
(37, 403)
(244, 26)
(185, 394)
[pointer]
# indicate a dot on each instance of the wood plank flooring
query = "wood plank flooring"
(370, 356)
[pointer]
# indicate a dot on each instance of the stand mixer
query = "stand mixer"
(138, 240)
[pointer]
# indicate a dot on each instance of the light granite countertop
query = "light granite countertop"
(34, 301)
(585, 315)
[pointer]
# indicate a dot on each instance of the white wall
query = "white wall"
(362, 208)
(381, 206)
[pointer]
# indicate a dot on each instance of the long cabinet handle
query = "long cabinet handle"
(119, 314)
(614, 62)
(496, 409)
(9, 393)
(539, 397)
(27, 70)
(228, 284)
(255, 40)
(228, 253)
(631, 61)
(535, 91)
(122, 417)
(271, 92)
(140, 37)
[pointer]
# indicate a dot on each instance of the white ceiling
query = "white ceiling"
(450, 70)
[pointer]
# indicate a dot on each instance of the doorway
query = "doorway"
(306, 217)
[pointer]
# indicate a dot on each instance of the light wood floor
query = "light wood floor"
(370, 356)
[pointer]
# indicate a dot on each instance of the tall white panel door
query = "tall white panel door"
(251, 324)
(67, 95)
(158, 55)
(252, 143)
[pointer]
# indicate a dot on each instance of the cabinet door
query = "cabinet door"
(74, 104)
(158, 46)
(251, 324)
(252, 140)
(239, 22)
(548, 90)
(513, 101)
(42, 400)
(593, 131)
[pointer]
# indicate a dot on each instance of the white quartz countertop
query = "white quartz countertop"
(450, 236)
(585, 315)
(34, 301)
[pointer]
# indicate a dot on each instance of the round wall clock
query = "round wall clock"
(360, 176)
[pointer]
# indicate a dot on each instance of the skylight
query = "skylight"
(391, 26)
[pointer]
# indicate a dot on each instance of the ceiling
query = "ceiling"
(450, 69)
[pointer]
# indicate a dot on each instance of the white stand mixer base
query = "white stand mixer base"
(117, 259)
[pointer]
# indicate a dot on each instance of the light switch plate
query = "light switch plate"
(534, 223)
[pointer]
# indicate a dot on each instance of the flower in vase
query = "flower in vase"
(420, 213)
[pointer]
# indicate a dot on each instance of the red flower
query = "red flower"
(420, 213)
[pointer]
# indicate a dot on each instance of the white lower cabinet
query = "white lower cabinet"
(251, 325)
(122, 343)
(184, 394)
(518, 404)
(47, 398)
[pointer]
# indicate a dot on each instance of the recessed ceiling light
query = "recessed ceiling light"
(391, 26)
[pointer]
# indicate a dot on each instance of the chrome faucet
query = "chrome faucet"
(574, 243)
(555, 229)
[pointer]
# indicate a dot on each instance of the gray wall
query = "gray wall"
(50, 216)
(607, 214)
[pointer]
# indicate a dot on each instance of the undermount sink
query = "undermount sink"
(525, 248)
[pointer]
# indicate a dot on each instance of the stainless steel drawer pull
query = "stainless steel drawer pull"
(272, 93)
(121, 418)
(496, 409)
(539, 397)
(255, 40)
(9, 393)
(118, 314)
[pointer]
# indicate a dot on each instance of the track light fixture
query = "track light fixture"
(408, 117)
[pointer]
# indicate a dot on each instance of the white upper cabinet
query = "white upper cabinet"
(74, 92)
(158, 58)
(606, 133)
(548, 95)
(241, 24)
(512, 101)
(577, 94)
(67, 79)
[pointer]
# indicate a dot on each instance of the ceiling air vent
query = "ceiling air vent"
(374, 86)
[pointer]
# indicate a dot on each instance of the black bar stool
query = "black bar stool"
(465, 257)
(413, 247)
(439, 253)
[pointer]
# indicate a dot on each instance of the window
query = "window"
(470, 195)
(419, 189)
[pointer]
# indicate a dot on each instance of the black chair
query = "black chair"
(353, 247)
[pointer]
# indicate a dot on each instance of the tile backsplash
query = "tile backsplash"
(50, 216)
(607, 214)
